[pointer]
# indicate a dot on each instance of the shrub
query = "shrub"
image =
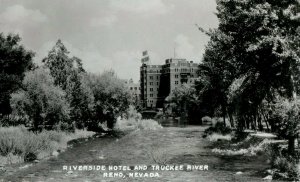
(148, 124)
(240, 136)
(217, 137)
(131, 124)
(285, 166)
(158, 155)
(218, 128)
(18, 141)
(206, 120)
(132, 113)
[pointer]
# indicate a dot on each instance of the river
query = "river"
(170, 145)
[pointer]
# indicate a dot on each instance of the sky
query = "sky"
(112, 34)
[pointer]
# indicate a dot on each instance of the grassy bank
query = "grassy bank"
(17, 144)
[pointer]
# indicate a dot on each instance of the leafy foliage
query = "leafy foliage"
(18, 141)
(111, 99)
(68, 73)
(42, 102)
(179, 99)
(255, 48)
(218, 128)
(14, 61)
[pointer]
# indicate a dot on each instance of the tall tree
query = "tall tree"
(14, 61)
(80, 97)
(262, 38)
(60, 64)
(68, 73)
(216, 72)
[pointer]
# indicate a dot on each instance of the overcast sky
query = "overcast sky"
(109, 34)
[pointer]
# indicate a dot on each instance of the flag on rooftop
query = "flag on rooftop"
(145, 59)
(145, 53)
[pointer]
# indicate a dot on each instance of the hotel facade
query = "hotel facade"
(158, 81)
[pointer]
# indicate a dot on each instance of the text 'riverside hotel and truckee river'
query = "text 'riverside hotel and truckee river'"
(135, 168)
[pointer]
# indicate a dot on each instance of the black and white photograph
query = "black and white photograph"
(149, 90)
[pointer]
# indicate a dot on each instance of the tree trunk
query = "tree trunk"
(291, 144)
(231, 120)
(224, 115)
(265, 119)
(294, 94)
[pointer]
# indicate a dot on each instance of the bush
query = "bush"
(218, 128)
(127, 125)
(132, 113)
(148, 124)
(285, 166)
(240, 136)
(217, 137)
(206, 120)
(18, 141)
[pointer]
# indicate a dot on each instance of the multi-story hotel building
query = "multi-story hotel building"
(158, 81)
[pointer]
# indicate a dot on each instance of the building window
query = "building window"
(151, 77)
(157, 83)
(176, 82)
(176, 76)
(151, 95)
(151, 83)
(135, 88)
(151, 89)
(130, 88)
(157, 77)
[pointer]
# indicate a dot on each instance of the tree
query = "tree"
(60, 64)
(182, 102)
(42, 102)
(80, 97)
(262, 39)
(68, 73)
(14, 61)
(111, 99)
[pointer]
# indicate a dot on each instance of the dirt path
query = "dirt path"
(177, 146)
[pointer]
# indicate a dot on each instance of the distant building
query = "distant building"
(158, 81)
(134, 89)
(150, 84)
